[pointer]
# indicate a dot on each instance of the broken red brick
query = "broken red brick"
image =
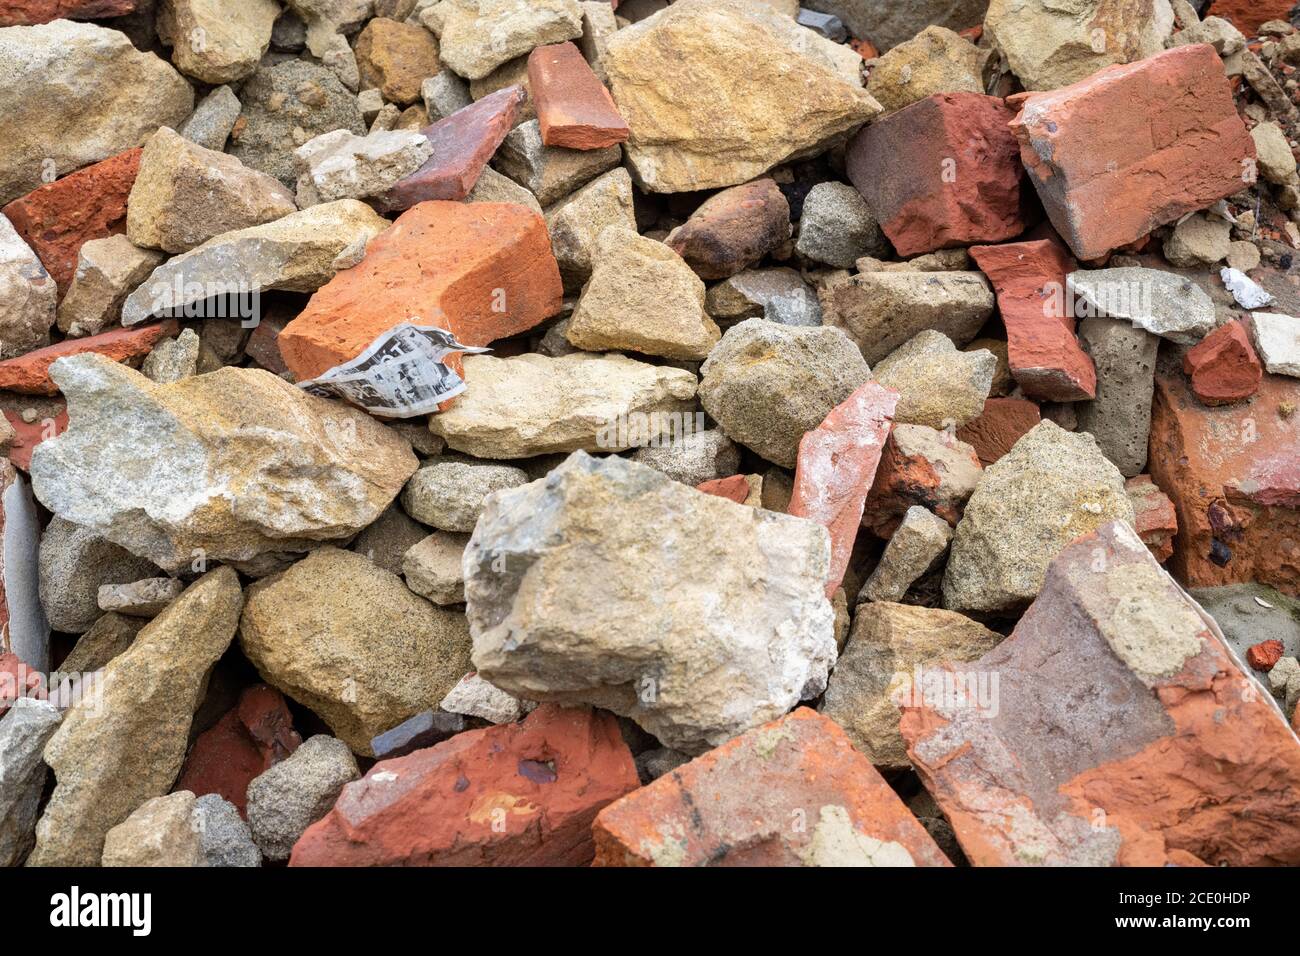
(17, 680)
(836, 467)
(921, 466)
(462, 145)
(735, 488)
(1249, 15)
(1156, 521)
(30, 373)
(1233, 473)
(1175, 757)
(943, 172)
(1223, 366)
(1134, 147)
(1264, 655)
(483, 271)
(27, 435)
(21, 13)
(792, 792)
(263, 345)
(57, 218)
(520, 794)
(574, 109)
(1045, 357)
(250, 738)
(999, 426)
(733, 229)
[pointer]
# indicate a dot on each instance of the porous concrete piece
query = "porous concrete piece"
(75, 562)
(1120, 416)
(692, 458)
(540, 632)
(766, 384)
(880, 311)
(288, 798)
(1052, 487)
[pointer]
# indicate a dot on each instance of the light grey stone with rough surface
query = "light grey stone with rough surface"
(914, 550)
(224, 837)
(448, 494)
(1163, 303)
(693, 458)
(210, 124)
(444, 94)
(292, 795)
(24, 730)
(475, 697)
(173, 359)
(777, 294)
(938, 384)
(339, 165)
(1277, 339)
(74, 563)
(28, 295)
(887, 23)
(837, 228)
(574, 596)
(144, 598)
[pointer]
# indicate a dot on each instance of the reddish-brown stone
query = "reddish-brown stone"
(836, 467)
(20, 13)
(1156, 520)
(792, 792)
(1046, 359)
(925, 467)
(999, 426)
(55, 219)
(943, 172)
(18, 680)
(735, 488)
(27, 435)
(520, 794)
(1134, 147)
(1223, 366)
(483, 271)
(251, 737)
(1264, 655)
(574, 109)
(1249, 15)
(263, 345)
(462, 145)
(1160, 751)
(733, 229)
(1233, 473)
(30, 373)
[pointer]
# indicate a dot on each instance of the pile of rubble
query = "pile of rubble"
(517, 432)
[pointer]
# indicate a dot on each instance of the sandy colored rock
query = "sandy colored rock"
(185, 194)
(880, 311)
(548, 776)
(77, 93)
(125, 743)
(108, 270)
(1050, 45)
(482, 271)
(766, 384)
(698, 123)
(914, 549)
(641, 297)
(28, 296)
(529, 405)
(168, 471)
(1052, 487)
(1276, 161)
(539, 634)
(218, 42)
(938, 385)
(396, 58)
(347, 639)
(298, 253)
(936, 60)
(160, 832)
(449, 493)
(733, 229)
(1179, 146)
(890, 648)
(477, 36)
(1127, 776)
(433, 568)
(576, 223)
(1199, 240)
(734, 806)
